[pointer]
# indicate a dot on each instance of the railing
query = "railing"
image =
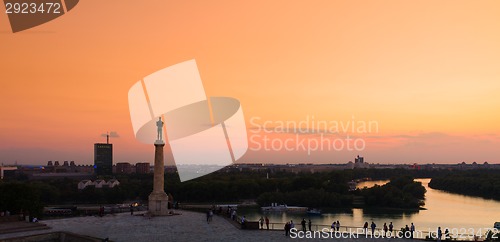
(380, 233)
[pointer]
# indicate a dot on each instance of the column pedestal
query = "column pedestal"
(158, 199)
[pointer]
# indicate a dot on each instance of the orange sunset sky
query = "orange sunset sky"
(428, 72)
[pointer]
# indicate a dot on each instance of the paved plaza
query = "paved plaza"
(189, 226)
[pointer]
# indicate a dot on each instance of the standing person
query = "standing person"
(267, 223)
(211, 214)
(412, 230)
(334, 225)
(243, 222)
(261, 220)
(390, 228)
(338, 225)
(303, 223)
(385, 229)
(233, 215)
(439, 234)
(287, 228)
(208, 216)
(131, 209)
(373, 226)
(365, 227)
(310, 225)
(292, 225)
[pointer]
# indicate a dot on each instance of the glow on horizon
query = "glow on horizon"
(426, 71)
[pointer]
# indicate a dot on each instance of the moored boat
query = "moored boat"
(313, 211)
(282, 208)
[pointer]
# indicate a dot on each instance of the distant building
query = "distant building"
(359, 162)
(85, 168)
(67, 167)
(103, 158)
(142, 168)
(113, 183)
(84, 183)
(3, 169)
(98, 184)
(123, 168)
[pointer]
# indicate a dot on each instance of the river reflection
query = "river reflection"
(442, 209)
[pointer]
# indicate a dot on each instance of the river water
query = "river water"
(462, 214)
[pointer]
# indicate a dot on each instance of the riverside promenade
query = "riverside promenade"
(189, 226)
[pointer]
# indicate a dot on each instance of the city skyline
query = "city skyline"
(426, 72)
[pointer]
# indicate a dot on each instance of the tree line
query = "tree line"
(481, 182)
(325, 189)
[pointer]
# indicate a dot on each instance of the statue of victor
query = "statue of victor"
(159, 125)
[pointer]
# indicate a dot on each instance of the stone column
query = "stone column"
(158, 199)
(159, 168)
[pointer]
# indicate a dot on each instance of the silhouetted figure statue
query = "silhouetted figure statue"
(159, 125)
